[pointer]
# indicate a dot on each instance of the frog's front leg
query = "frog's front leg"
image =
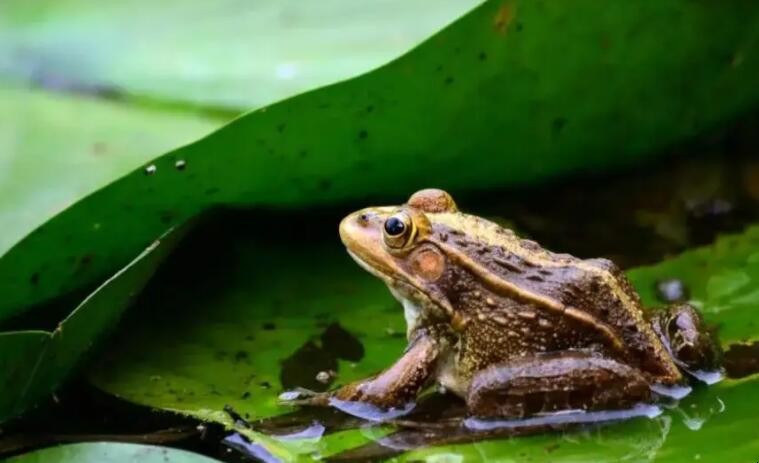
(394, 387)
(554, 382)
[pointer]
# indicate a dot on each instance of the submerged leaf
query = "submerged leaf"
(513, 92)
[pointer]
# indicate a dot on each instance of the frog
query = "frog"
(513, 329)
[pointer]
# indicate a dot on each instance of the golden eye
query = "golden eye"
(398, 230)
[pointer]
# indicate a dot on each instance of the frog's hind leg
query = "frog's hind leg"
(683, 331)
(555, 382)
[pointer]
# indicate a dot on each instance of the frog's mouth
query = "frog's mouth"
(374, 270)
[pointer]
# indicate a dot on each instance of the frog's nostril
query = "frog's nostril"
(363, 219)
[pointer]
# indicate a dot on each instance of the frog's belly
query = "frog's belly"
(448, 376)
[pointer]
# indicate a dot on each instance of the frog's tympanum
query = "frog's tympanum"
(510, 327)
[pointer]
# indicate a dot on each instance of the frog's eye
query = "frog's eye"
(398, 230)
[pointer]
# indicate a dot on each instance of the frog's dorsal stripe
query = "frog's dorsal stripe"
(504, 287)
(493, 234)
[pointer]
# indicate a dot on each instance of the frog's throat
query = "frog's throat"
(408, 284)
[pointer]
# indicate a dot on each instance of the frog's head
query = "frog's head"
(396, 244)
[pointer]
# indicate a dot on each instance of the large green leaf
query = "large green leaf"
(239, 338)
(229, 53)
(110, 452)
(34, 363)
(513, 92)
(56, 149)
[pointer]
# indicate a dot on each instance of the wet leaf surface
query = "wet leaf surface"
(440, 105)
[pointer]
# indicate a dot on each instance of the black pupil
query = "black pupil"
(394, 226)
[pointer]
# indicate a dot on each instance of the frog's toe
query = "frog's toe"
(302, 396)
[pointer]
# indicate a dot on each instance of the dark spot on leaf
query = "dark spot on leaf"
(301, 368)
(241, 355)
(245, 395)
(439, 68)
(519, 26)
(369, 108)
(250, 337)
(503, 18)
(269, 326)
(303, 153)
(341, 343)
(482, 56)
(86, 260)
(166, 217)
(99, 148)
(281, 127)
(325, 184)
(557, 125)
(448, 80)
(265, 384)
(211, 191)
(742, 360)
(362, 134)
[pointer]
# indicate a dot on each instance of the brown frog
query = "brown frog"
(510, 327)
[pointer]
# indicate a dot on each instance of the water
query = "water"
(369, 412)
(564, 418)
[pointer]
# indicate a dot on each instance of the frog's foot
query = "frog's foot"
(304, 397)
(691, 344)
(392, 389)
(349, 399)
(553, 383)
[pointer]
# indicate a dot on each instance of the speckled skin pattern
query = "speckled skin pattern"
(510, 327)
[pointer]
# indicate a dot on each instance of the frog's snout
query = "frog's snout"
(359, 226)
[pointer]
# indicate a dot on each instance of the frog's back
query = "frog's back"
(536, 300)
